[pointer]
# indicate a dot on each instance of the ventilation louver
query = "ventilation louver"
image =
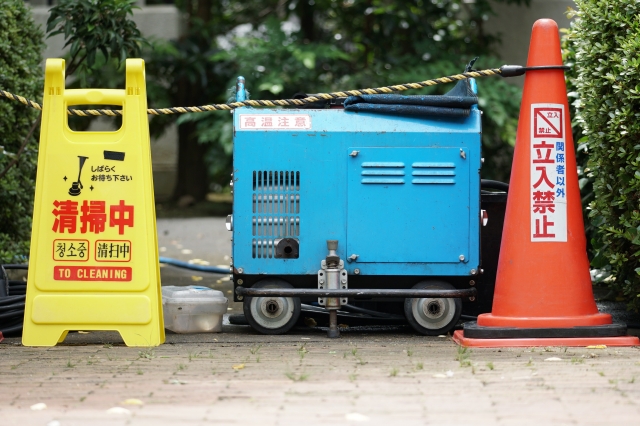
(276, 210)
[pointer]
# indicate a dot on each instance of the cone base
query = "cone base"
(475, 331)
(597, 319)
(460, 339)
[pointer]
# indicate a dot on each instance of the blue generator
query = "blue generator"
(369, 202)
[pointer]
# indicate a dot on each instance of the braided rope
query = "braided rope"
(275, 103)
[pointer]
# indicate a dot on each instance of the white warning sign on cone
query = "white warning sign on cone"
(548, 171)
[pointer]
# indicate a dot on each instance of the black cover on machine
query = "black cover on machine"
(455, 103)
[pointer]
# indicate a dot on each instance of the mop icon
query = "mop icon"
(76, 187)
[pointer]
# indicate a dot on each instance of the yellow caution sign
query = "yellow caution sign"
(94, 251)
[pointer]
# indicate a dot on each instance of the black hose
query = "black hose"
(12, 329)
(24, 266)
(377, 314)
(4, 283)
(10, 299)
(9, 307)
(19, 313)
(494, 184)
(16, 288)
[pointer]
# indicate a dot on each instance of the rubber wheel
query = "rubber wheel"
(273, 314)
(433, 316)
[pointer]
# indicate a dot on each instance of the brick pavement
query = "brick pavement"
(369, 376)
(364, 377)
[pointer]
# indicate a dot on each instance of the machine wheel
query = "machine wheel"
(433, 317)
(272, 315)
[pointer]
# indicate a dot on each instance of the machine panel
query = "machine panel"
(408, 205)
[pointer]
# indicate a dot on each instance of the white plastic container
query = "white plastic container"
(193, 309)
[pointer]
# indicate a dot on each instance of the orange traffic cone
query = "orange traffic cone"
(543, 293)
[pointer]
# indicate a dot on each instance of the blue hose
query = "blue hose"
(167, 260)
(187, 265)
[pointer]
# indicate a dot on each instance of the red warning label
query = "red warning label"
(547, 122)
(91, 273)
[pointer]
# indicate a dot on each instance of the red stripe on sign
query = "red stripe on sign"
(92, 273)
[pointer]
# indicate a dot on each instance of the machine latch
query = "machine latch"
(354, 153)
(332, 276)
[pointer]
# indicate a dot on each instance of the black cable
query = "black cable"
(494, 184)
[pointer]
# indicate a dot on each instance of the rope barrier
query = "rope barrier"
(503, 71)
(274, 103)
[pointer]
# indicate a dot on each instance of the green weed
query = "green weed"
(463, 356)
(69, 363)
(148, 353)
(302, 352)
(297, 378)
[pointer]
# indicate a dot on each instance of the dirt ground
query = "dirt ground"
(368, 376)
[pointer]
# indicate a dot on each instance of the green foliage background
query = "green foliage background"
(94, 27)
(605, 39)
(284, 47)
(20, 72)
